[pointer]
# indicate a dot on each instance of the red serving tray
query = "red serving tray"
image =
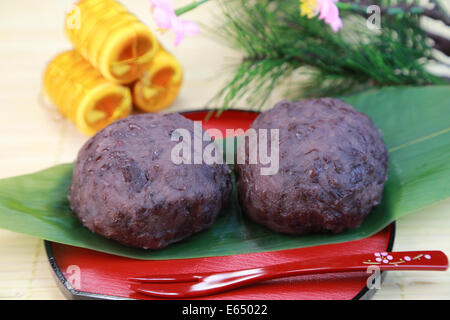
(88, 274)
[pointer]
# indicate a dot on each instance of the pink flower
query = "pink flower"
(330, 14)
(165, 18)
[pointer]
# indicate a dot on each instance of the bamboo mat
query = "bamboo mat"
(33, 137)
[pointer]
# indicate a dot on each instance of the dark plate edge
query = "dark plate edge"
(65, 287)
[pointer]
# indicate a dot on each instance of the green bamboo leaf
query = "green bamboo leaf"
(415, 123)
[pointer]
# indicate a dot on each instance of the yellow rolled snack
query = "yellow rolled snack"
(159, 86)
(112, 39)
(83, 95)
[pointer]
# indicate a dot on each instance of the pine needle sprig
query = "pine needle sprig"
(277, 41)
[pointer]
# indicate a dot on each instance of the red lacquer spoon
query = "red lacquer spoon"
(202, 284)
